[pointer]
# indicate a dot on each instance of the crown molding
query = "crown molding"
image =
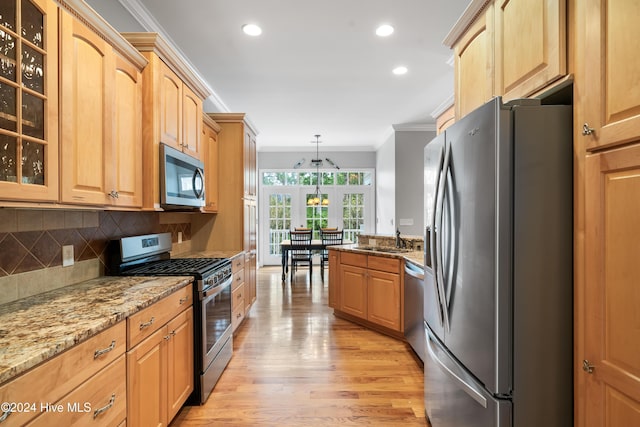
(89, 17)
(444, 106)
(414, 127)
(149, 23)
(234, 118)
(211, 123)
(464, 22)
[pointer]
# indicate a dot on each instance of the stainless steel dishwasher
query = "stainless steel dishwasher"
(413, 302)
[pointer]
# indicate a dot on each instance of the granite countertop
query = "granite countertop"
(415, 257)
(37, 328)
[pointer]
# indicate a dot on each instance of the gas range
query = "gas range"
(149, 255)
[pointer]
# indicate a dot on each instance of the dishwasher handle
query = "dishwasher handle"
(413, 271)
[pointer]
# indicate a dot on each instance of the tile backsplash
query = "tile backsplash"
(32, 240)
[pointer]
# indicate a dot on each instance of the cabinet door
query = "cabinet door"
(474, 70)
(384, 299)
(127, 141)
(334, 280)
(170, 108)
(250, 173)
(210, 139)
(179, 361)
(612, 81)
(530, 47)
(86, 113)
(353, 297)
(612, 274)
(445, 120)
(29, 94)
(147, 381)
(191, 122)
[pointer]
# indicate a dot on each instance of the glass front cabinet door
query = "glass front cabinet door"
(28, 100)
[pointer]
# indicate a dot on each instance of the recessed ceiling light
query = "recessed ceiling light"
(398, 71)
(384, 30)
(251, 29)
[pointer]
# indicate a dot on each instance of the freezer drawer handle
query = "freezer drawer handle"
(587, 366)
(466, 387)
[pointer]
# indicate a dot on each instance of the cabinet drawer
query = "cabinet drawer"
(237, 263)
(237, 296)
(100, 401)
(238, 279)
(145, 322)
(390, 265)
(238, 316)
(53, 379)
(350, 258)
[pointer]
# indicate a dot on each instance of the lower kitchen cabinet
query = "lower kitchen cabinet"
(160, 373)
(90, 372)
(367, 287)
(238, 290)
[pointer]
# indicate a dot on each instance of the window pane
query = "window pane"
(32, 116)
(32, 163)
(8, 14)
(32, 70)
(367, 178)
(327, 178)
(8, 108)
(305, 178)
(291, 178)
(341, 178)
(8, 154)
(32, 20)
(7, 56)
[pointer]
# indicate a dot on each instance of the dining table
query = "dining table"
(286, 246)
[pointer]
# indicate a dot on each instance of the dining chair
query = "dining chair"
(301, 238)
(329, 237)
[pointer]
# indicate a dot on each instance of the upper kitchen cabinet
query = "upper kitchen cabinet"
(28, 100)
(100, 114)
(210, 132)
(611, 74)
(474, 62)
(530, 45)
(171, 111)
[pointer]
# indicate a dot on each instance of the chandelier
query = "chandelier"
(316, 198)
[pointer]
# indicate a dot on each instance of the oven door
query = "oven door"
(216, 320)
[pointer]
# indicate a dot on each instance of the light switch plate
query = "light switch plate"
(179, 236)
(406, 221)
(67, 255)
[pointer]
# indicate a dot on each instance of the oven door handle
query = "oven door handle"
(212, 292)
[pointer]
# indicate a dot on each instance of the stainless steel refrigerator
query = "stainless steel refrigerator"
(498, 268)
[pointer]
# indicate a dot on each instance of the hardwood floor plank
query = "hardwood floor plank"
(296, 364)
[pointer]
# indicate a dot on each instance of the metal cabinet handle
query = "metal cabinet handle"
(586, 130)
(4, 415)
(114, 194)
(147, 324)
(99, 353)
(105, 408)
(587, 367)
(183, 300)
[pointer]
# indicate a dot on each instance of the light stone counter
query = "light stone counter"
(415, 257)
(37, 328)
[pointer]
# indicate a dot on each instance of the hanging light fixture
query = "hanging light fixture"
(316, 198)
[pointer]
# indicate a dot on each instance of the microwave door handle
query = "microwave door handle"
(197, 193)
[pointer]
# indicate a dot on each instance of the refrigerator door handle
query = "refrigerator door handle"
(454, 371)
(448, 281)
(432, 238)
(438, 244)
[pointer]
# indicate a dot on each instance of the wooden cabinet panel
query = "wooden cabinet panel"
(127, 141)
(612, 336)
(334, 278)
(383, 299)
(353, 295)
(191, 123)
(445, 119)
(52, 380)
(147, 382)
(474, 65)
(143, 323)
(100, 401)
(530, 45)
(611, 79)
(211, 155)
(170, 107)
(29, 115)
(350, 258)
(237, 297)
(390, 265)
(87, 65)
(179, 361)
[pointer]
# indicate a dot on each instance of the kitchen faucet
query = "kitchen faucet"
(400, 242)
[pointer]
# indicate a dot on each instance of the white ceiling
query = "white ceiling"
(318, 66)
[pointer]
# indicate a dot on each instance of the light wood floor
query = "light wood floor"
(295, 364)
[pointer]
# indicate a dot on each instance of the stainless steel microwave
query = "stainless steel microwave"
(181, 179)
